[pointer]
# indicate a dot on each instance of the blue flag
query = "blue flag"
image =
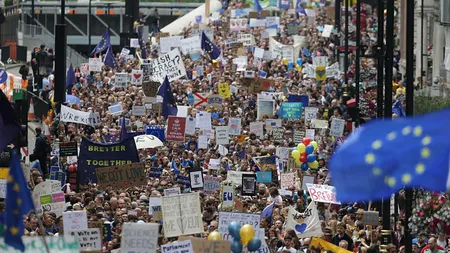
(268, 211)
(18, 203)
(123, 130)
(109, 59)
(398, 109)
(104, 43)
(300, 8)
(174, 167)
(168, 105)
(8, 127)
(209, 47)
(70, 77)
(383, 156)
(257, 6)
(142, 45)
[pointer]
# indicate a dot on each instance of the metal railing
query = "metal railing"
(33, 36)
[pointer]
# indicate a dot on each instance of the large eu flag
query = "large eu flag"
(168, 105)
(383, 156)
(209, 47)
(18, 203)
(104, 43)
(109, 59)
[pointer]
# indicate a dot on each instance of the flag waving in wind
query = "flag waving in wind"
(70, 77)
(18, 203)
(304, 224)
(104, 43)
(109, 59)
(209, 47)
(257, 6)
(8, 127)
(300, 7)
(393, 154)
(168, 105)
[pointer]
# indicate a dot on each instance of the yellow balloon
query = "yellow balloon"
(295, 154)
(314, 144)
(297, 161)
(285, 61)
(299, 68)
(301, 148)
(313, 165)
(214, 236)
(247, 233)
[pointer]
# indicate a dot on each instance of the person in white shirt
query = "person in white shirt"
(287, 245)
(274, 197)
(442, 241)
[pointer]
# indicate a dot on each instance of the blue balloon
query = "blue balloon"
(304, 167)
(233, 229)
(290, 65)
(309, 149)
(299, 61)
(311, 158)
(236, 246)
(254, 244)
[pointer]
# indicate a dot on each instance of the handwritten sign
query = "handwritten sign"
(68, 149)
(226, 218)
(287, 180)
(370, 218)
(123, 176)
(55, 244)
(170, 65)
(178, 247)
(323, 193)
(227, 194)
(211, 184)
(291, 110)
(311, 113)
(139, 237)
(89, 239)
(205, 246)
(139, 110)
(75, 220)
(95, 64)
(172, 191)
(222, 136)
(337, 127)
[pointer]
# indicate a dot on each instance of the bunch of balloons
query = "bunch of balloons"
(244, 235)
(214, 236)
(304, 156)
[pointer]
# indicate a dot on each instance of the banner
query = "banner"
(123, 176)
(86, 118)
(94, 155)
(324, 245)
(89, 239)
(323, 193)
(169, 64)
(304, 224)
(55, 244)
(176, 129)
(291, 110)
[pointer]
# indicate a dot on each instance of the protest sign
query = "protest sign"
(172, 191)
(264, 176)
(236, 176)
(215, 101)
(121, 80)
(310, 133)
(138, 110)
(136, 77)
(225, 218)
(371, 218)
(155, 172)
(257, 128)
(182, 214)
(176, 129)
(291, 110)
(170, 65)
(124, 52)
(94, 155)
(52, 244)
(54, 202)
(122, 176)
(266, 107)
(95, 64)
(2, 188)
(337, 127)
(139, 237)
(248, 185)
(196, 177)
(190, 44)
(44, 188)
(323, 193)
(227, 195)
(206, 246)
(74, 116)
(287, 180)
(234, 126)
(278, 134)
(298, 135)
(115, 109)
(307, 180)
(304, 224)
(211, 184)
(68, 149)
(89, 239)
(222, 136)
(319, 123)
(311, 113)
(75, 220)
(178, 247)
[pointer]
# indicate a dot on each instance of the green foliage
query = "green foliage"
(424, 103)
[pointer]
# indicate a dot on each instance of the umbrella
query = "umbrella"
(147, 141)
(70, 99)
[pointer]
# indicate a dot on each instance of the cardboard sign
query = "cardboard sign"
(211, 184)
(323, 193)
(371, 218)
(337, 127)
(226, 218)
(287, 180)
(68, 149)
(89, 239)
(150, 88)
(123, 176)
(75, 220)
(139, 237)
(176, 129)
(205, 246)
(256, 85)
(248, 184)
(170, 65)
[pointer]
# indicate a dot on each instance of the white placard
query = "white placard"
(310, 133)
(125, 52)
(167, 43)
(36, 244)
(190, 44)
(178, 247)
(214, 164)
(121, 80)
(234, 126)
(257, 128)
(307, 180)
(226, 218)
(134, 43)
(222, 136)
(2, 188)
(89, 239)
(311, 113)
(287, 180)
(139, 110)
(337, 127)
(202, 141)
(172, 191)
(323, 193)
(236, 176)
(190, 125)
(136, 77)
(170, 65)
(203, 120)
(95, 64)
(258, 53)
(139, 237)
(327, 29)
(86, 118)
(75, 220)
(227, 195)
(196, 178)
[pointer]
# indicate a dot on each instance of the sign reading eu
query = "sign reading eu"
(291, 110)
(95, 155)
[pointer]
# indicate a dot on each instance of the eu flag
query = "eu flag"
(209, 47)
(18, 203)
(257, 6)
(70, 77)
(8, 127)
(268, 211)
(384, 156)
(109, 59)
(104, 43)
(168, 105)
(398, 109)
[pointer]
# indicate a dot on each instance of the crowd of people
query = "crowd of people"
(342, 225)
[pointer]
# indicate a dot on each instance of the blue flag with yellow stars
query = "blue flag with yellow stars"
(383, 156)
(168, 105)
(18, 203)
(109, 59)
(104, 43)
(209, 47)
